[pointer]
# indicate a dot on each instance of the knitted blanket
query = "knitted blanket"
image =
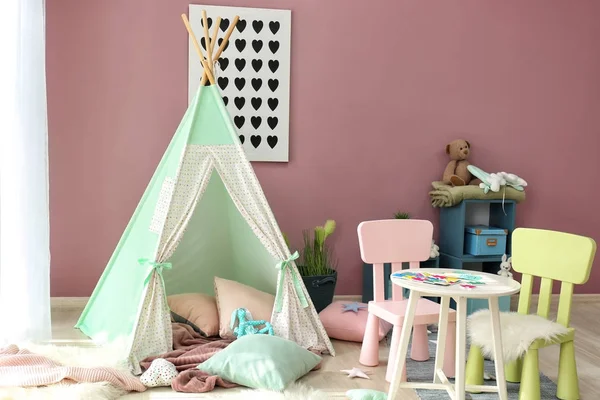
(444, 195)
(189, 350)
(22, 368)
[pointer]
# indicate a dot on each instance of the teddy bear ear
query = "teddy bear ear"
(447, 149)
(468, 144)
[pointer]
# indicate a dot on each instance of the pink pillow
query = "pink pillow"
(232, 295)
(349, 325)
(197, 310)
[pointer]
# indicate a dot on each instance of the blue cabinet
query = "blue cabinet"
(456, 251)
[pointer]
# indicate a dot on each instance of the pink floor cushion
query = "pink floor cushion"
(346, 320)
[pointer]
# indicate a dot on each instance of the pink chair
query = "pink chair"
(396, 241)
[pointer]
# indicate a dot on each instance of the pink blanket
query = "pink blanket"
(21, 368)
(189, 350)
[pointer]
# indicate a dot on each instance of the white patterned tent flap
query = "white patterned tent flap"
(294, 322)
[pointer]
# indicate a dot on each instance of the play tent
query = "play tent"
(202, 215)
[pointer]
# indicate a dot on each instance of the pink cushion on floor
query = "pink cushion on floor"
(348, 325)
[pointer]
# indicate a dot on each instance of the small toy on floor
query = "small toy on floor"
(160, 373)
(248, 326)
(355, 373)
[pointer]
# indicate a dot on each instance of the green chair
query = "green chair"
(551, 256)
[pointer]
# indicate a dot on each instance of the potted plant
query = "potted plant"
(317, 265)
(402, 215)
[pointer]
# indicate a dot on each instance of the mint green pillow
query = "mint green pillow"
(366, 394)
(261, 362)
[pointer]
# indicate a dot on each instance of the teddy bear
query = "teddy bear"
(456, 172)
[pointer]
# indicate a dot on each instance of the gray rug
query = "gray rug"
(423, 371)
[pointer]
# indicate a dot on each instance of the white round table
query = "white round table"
(494, 286)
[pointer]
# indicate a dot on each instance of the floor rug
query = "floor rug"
(295, 391)
(423, 371)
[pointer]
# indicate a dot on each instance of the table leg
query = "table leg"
(441, 338)
(498, 353)
(461, 338)
(399, 362)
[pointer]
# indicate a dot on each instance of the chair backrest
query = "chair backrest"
(394, 241)
(550, 256)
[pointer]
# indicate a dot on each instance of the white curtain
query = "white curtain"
(24, 219)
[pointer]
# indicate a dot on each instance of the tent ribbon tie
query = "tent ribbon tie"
(282, 266)
(156, 266)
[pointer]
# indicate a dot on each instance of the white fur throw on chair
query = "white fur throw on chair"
(518, 332)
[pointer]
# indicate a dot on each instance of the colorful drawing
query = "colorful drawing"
(466, 280)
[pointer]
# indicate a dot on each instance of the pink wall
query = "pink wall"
(371, 114)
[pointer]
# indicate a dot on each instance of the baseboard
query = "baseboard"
(80, 302)
(577, 299)
(67, 303)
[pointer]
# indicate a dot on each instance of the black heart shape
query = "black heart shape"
(240, 63)
(224, 24)
(256, 83)
(241, 25)
(274, 46)
(255, 139)
(273, 103)
(273, 83)
(203, 43)
(272, 122)
(221, 41)
(273, 65)
(240, 83)
(242, 138)
(256, 102)
(274, 26)
(257, 25)
(223, 63)
(257, 64)
(272, 141)
(239, 102)
(225, 100)
(240, 44)
(239, 121)
(257, 45)
(256, 122)
(223, 81)
(209, 19)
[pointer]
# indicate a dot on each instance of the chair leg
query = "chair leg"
(474, 368)
(419, 350)
(450, 351)
(513, 371)
(389, 373)
(369, 352)
(530, 378)
(567, 387)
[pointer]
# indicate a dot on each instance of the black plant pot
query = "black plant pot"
(321, 289)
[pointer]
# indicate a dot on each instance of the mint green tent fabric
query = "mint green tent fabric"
(202, 215)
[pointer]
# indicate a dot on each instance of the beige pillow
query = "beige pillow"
(232, 295)
(197, 310)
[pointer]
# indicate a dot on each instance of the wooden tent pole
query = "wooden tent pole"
(198, 49)
(226, 38)
(214, 37)
(213, 40)
(223, 43)
(207, 39)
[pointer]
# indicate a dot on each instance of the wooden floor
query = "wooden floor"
(585, 319)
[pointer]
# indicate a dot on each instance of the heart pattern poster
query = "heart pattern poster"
(252, 74)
